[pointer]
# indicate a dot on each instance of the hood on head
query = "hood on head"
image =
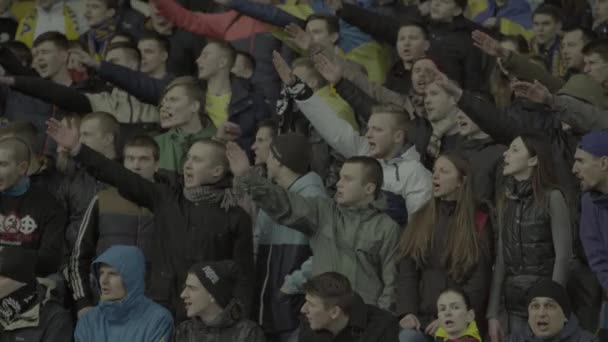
(129, 261)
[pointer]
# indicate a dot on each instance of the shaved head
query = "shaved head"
(18, 148)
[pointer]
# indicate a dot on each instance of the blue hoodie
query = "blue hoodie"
(135, 318)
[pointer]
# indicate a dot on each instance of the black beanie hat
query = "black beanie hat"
(293, 151)
(551, 289)
(218, 278)
(18, 264)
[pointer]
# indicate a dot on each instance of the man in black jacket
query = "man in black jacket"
(30, 217)
(199, 221)
(334, 312)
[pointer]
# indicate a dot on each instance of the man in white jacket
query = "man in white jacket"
(386, 140)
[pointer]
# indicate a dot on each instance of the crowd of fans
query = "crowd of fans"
(304, 170)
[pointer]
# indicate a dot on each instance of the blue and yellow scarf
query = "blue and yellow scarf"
(27, 26)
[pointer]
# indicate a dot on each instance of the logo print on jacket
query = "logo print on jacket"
(15, 230)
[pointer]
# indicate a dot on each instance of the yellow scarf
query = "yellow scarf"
(27, 26)
(471, 331)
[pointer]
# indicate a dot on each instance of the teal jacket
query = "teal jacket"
(135, 318)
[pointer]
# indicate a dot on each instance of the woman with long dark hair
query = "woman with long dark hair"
(534, 230)
(444, 245)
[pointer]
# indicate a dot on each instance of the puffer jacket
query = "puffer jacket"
(360, 243)
(571, 332)
(281, 251)
(48, 321)
(527, 244)
(229, 326)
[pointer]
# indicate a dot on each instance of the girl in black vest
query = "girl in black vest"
(444, 245)
(534, 238)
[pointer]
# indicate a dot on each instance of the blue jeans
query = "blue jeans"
(412, 335)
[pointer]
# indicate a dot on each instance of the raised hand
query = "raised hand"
(431, 329)
(330, 70)
(79, 56)
(444, 82)
(228, 131)
(64, 133)
(239, 163)
(410, 321)
(535, 92)
(489, 45)
(283, 69)
(298, 37)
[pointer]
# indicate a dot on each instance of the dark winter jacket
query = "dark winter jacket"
(451, 44)
(33, 219)
(75, 193)
(485, 157)
(230, 326)
(419, 287)
(134, 116)
(247, 107)
(527, 244)
(48, 321)
(593, 234)
(571, 332)
(109, 220)
(367, 323)
(185, 232)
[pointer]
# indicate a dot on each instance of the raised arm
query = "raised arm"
(145, 88)
(287, 208)
(64, 97)
(213, 25)
(382, 27)
(496, 123)
(130, 185)
(582, 116)
(523, 68)
(270, 14)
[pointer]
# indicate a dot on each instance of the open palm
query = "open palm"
(488, 44)
(330, 70)
(239, 163)
(64, 133)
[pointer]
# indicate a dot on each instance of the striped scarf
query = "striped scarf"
(226, 198)
(99, 37)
